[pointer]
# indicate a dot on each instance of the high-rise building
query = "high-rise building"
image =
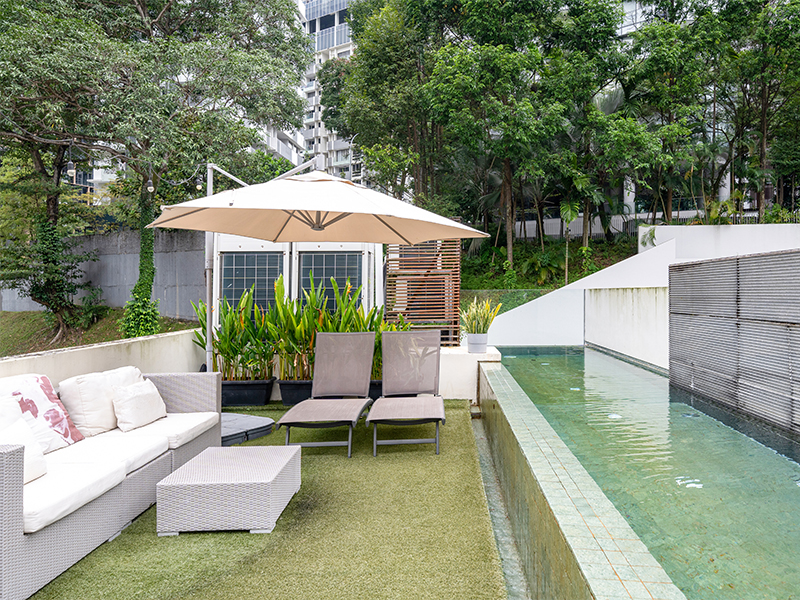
(326, 22)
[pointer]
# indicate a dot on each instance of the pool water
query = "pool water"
(719, 510)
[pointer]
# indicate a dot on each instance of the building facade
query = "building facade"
(326, 22)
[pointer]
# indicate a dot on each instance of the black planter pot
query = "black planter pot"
(247, 393)
(375, 389)
(294, 391)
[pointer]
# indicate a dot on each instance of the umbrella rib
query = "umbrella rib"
(180, 216)
(337, 218)
(285, 223)
(394, 230)
(303, 217)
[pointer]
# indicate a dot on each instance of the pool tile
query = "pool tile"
(609, 587)
(651, 574)
(636, 589)
(661, 591)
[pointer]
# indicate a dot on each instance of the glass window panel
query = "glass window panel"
(236, 280)
(324, 265)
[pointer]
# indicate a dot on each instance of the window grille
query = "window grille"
(242, 270)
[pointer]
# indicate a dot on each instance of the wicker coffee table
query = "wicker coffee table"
(225, 489)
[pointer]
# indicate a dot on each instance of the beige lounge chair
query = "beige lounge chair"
(410, 385)
(340, 387)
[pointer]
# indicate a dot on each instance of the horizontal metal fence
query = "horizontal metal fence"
(734, 333)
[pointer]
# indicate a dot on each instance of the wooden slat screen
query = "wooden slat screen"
(423, 284)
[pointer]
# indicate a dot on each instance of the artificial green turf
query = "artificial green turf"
(405, 524)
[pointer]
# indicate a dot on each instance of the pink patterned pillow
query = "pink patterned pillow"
(43, 411)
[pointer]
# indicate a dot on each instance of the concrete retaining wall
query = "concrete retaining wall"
(179, 280)
(630, 321)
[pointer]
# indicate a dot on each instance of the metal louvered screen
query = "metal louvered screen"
(423, 284)
(734, 333)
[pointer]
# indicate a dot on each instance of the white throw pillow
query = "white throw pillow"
(10, 412)
(20, 433)
(89, 398)
(137, 405)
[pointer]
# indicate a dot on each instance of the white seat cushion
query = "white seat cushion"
(178, 428)
(133, 452)
(65, 488)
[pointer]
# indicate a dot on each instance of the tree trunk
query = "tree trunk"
(587, 216)
(540, 220)
(668, 204)
(147, 270)
(762, 150)
(566, 254)
(507, 202)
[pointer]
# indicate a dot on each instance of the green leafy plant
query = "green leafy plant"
(478, 316)
(243, 345)
(509, 276)
(140, 317)
(588, 264)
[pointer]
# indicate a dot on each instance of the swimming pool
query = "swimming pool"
(719, 510)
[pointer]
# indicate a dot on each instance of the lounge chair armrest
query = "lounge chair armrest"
(12, 467)
(189, 392)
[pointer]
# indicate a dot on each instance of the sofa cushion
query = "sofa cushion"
(133, 452)
(178, 428)
(65, 488)
(137, 405)
(20, 433)
(89, 398)
(10, 411)
(42, 410)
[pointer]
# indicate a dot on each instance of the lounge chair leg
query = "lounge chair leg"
(374, 439)
(350, 441)
(437, 437)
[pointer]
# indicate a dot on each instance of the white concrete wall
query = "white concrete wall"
(631, 321)
(458, 372)
(555, 319)
(163, 353)
(717, 241)
(626, 305)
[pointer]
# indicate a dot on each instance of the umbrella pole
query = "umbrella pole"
(209, 278)
(209, 300)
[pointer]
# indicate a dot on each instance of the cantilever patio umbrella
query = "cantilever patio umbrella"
(315, 207)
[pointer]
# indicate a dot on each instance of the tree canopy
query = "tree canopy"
(496, 107)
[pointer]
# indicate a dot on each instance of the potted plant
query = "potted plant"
(294, 329)
(244, 351)
(475, 322)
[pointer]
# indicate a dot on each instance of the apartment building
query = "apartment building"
(326, 22)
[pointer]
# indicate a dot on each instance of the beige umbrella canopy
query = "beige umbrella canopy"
(315, 207)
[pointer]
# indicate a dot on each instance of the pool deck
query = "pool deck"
(572, 540)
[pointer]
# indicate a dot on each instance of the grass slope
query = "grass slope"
(24, 332)
(405, 524)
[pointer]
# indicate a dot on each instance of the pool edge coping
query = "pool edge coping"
(613, 562)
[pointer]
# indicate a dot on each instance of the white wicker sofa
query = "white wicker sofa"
(124, 467)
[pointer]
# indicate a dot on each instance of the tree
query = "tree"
(482, 89)
(152, 83)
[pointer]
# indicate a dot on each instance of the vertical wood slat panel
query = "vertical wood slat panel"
(423, 283)
(735, 333)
